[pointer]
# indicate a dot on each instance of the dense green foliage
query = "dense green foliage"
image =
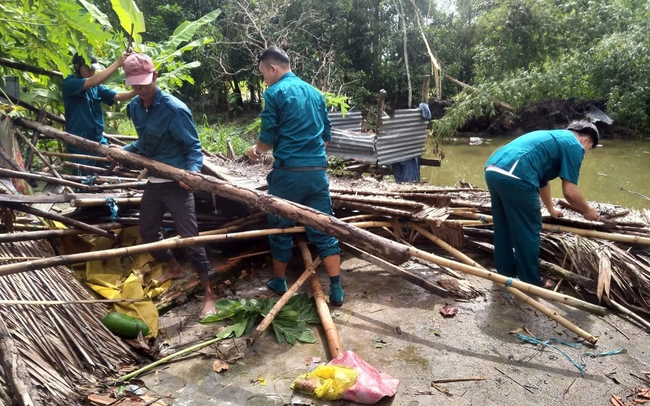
(515, 51)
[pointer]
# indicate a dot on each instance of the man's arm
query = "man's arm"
(124, 96)
(545, 194)
(182, 128)
(575, 199)
(101, 77)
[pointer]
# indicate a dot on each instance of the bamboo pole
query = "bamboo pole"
(66, 302)
(96, 169)
(168, 358)
(332, 334)
(280, 207)
(401, 272)
(126, 185)
(516, 292)
(268, 319)
(628, 239)
(42, 158)
(49, 179)
(10, 160)
(75, 156)
(36, 110)
(47, 234)
(65, 220)
(500, 279)
(100, 201)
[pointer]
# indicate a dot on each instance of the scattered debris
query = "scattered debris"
(448, 311)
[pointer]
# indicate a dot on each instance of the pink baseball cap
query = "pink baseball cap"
(138, 69)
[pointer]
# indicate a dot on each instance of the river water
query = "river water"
(609, 174)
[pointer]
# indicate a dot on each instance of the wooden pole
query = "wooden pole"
(42, 158)
(30, 155)
(624, 238)
(332, 334)
(516, 292)
(398, 271)
(49, 179)
(15, 370)
(268, 319)
(29, 68)
(381, 99)
(65, 220)
(367, 241)
(75, 156)
(10, 160)
(36, 110)
(96, 169)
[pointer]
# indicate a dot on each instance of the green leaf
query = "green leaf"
(129, 14)
(99, 16)
(286, 330)
(187, 29)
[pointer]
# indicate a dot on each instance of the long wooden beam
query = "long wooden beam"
(365, 240)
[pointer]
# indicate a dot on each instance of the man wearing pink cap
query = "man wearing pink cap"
(166, 133)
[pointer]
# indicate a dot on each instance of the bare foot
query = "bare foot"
(208, 305)
(549, 284)
(170, 275)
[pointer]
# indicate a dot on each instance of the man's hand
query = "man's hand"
(252, 154)
(555, 213)
(591, 214)
(185, 185)
(110, 158)
(122, 58)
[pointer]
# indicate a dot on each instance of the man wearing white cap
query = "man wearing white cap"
(166, 133)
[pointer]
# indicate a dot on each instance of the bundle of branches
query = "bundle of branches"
(65, 349)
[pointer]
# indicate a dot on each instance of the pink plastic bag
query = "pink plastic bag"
(371, 384)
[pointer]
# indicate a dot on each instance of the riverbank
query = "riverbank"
(609, 174)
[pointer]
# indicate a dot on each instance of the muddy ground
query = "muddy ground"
(397, 328)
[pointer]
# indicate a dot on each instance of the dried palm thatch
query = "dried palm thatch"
(621, 274)
(67, 350)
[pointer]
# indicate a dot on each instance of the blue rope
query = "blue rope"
(582, 363)
(533, 340)
(112, 205)
(481, 218)
(89, 180)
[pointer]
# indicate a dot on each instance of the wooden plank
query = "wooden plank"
(430, 162)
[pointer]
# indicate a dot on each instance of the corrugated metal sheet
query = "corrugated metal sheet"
(350, 145)
(351, 121)
(400, 138)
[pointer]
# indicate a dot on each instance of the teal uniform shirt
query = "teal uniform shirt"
(166, 132)
(541, 156)
(295, 123)
(83, 108)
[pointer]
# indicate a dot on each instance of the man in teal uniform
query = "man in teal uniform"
(166, 133)
(83, 95)
(296, 126)
(517, 175)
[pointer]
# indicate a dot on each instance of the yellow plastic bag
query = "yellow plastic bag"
(326, 381)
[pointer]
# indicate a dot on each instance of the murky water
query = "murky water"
(617, 164)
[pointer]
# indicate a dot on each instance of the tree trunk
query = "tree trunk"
(365, 240)
(406, 56)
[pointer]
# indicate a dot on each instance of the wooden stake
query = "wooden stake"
(268, 319)
(332, 334)
(516, 292)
